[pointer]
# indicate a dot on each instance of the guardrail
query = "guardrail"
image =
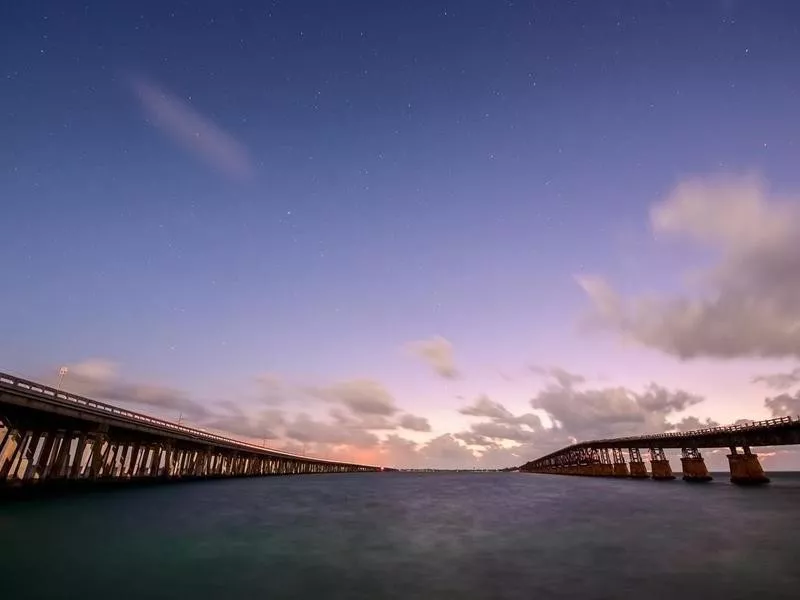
(13, 383)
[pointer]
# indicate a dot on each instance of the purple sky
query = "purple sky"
(388, 230)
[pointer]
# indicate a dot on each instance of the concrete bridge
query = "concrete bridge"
(606, 458)
(50, 438)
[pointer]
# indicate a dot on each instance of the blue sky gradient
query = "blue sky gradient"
(399, 171)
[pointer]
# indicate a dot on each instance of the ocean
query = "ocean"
(403, 535)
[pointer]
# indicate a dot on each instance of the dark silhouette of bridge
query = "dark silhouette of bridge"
(606, 458)
(51, 438)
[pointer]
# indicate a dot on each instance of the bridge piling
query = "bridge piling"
(637, 467)
(620, 468)
(605, 468)
(659, 465)
(745, 468)
(693, 466)
(591, 458)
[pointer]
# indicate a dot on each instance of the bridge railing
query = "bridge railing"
(779, 421)
(706, 431)
(10, 381)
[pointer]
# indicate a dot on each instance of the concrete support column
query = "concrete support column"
(124, 458)
(10, 452)
(76, 466)
(155, 461)
(134, 460)
(604, 468)
(3, 439)
(177, 465)
(184, 463)
(110, 464)
(62, 458)
(693, 466)
(659, 465)
(745, 468)
(168, 456)
(143, 462)
(27, 461)
(45, 455)
(189, 463)
(49, 467)
(96, 460)
(638, 470)
(208, 461)
(620, 469)
(9, 468)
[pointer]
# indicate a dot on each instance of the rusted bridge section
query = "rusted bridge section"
(607, 458)
(52, 438)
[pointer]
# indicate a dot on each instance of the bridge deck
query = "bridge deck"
(782, 431)
(48, 434)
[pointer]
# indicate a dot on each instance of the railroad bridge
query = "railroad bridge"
(53, 438)
(606, 458)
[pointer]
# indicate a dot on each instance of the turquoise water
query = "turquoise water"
(395, 535)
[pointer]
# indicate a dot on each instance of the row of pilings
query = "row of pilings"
(58, 457)
(744, 466)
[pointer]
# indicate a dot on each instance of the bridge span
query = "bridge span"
(606, 458)
(53, 438)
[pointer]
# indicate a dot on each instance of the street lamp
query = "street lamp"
(61, 372)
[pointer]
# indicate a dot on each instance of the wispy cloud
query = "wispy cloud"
(437, 352)
(193, 131)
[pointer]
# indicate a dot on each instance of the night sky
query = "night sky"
(418, 232)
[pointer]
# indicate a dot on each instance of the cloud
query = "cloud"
(370, 422)
(564, 378)
(485, 407)
(446, 452)
(99, 379)
(471, 438)
(611, 411)
(263, 425)
(272, 389)
(414, 423)
(749, 301)
(503, 439)
(692, 423)
(502, 424)
(304, 428)
(192, 130)
(779, 381)
(437, 352)
(362, 418)
(784, 405)
(360, 396)
(577, 414)
(503, 431)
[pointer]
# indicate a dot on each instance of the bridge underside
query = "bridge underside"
(50, 450)
(606, 458)
(610, 462)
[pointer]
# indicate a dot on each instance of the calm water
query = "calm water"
(419, 536)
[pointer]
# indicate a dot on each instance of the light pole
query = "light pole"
(61, 372)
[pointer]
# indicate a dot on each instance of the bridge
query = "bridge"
(606, 458)
(51, 438)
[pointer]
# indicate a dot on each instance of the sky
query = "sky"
(418, 233)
